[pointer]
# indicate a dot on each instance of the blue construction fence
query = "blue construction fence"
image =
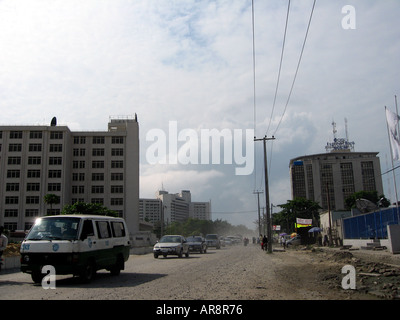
(370, 225)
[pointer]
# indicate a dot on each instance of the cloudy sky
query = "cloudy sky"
(187, 65)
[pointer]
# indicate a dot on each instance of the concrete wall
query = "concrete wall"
(393, 238)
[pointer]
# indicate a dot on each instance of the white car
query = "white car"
(171, 245)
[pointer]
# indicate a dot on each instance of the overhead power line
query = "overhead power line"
(298, 66)
(280, 66)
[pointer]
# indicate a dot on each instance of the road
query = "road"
(233, 273)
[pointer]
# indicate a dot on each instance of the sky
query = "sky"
(188, 68)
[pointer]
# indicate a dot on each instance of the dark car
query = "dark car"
(212, 240)
(197, 244)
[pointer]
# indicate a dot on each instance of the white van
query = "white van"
(75, 244)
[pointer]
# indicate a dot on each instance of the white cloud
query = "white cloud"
(191, 61)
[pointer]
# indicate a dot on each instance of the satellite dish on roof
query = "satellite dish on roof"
(365, 205)
(53, 122)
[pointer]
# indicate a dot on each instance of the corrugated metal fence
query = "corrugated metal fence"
(370, 225)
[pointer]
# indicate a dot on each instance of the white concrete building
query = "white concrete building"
(97, 167)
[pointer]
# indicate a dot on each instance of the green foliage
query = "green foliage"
(372, 196)
(297, 208)
(51, 199)
(88, 208)
(202, 227)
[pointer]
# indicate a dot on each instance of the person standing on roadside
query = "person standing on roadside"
(3, 243)
(264, 242)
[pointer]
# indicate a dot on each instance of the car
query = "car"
(197, 244)
(294, 241)
(212, 240)
(171, 245)
(228, 241)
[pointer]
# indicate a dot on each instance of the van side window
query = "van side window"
(103, 229)
(118, 229)
(87, 229)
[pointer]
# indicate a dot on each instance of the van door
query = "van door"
(104, 244)
(88, 237)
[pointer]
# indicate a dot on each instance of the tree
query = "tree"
(88, 208)
(297, 208)
(372, 196)
(51, 199)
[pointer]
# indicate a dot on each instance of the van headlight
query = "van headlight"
(26, 258)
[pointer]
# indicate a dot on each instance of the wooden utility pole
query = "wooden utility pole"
(269, 227)
(259, 219)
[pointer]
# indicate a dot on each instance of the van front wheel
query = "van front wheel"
(88, 273)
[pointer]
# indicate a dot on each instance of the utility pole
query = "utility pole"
(269, 228)
(259, 219)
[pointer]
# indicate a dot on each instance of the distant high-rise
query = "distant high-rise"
(338, 173)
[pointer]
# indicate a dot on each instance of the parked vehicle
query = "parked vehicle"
(75, 244)
(197, 244)
(213, 241)
(171, 245)
(294, 241)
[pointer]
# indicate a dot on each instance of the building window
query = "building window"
(117, 201)
(54, 174)
(55, 160)
(56, 135)
(32, 200)
(98, 152)
(15, 134)
(34, 160)
(32, 186)
(98, 164)
(55, 147)
(97, 189)
(98, 176)
(79, 140)
(12, 187)
(14, 147)
(11, 200)
(35, 135)
(117, 176)
(117, 152)
(117, 140)
(35, 147)
(31, 212)
(33, 174)
(54, 187)
(117, 164)
(97, 200)
(368, 176)
(13, 173)
(98, 140)
(14, 160)
(117, 189)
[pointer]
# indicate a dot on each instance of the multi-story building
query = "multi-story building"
(173, 207)
(200, 210)
(150, 210)
(96, 167)
(337, 174)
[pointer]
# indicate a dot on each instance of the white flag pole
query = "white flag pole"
(391, 153)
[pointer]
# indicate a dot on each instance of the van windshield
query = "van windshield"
(54, 228)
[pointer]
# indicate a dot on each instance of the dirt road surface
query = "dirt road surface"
(231, 273)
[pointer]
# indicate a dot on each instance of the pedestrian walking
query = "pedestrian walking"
(3, 244)
(265, 242)
(284, 242)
